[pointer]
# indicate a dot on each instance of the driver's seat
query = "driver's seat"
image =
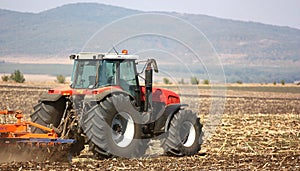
(92, 80)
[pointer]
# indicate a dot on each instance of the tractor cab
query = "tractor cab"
(97, 70)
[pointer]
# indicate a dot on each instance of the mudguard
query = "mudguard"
(45, 97)
(102, 95)
(162, 124)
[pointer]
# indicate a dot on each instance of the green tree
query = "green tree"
(17, 76)
(206, 82)
(61, 79)
(274, 83)
(166, 81)
(282, 82)
(194, 80)
(5, 78)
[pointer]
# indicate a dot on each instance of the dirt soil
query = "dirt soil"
(258, 131)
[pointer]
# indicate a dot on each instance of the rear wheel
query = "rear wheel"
(113, 128)
(48, 112)
(184, 135)
(51, 112)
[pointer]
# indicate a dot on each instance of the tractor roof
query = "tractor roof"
(94, 55)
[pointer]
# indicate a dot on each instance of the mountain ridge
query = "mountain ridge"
(64, 30)
(228, 36)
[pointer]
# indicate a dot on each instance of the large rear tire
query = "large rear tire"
(51, 112)
(184, 135)
(48, 112)
(113, 128)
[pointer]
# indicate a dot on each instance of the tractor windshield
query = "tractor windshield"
(99, 73)
(84, 73)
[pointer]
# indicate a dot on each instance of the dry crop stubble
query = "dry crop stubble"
(256, 132)
(16, 97)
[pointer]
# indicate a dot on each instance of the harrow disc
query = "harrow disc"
(39, 150)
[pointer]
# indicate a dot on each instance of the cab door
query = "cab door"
(128, 76)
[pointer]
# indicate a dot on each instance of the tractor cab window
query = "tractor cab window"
(107, 73)
(128, 76)
(127, 73)
(118, 72)
(85, 74)
(100, 73)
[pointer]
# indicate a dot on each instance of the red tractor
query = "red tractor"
(107, 108)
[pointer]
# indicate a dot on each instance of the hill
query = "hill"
(249, 51)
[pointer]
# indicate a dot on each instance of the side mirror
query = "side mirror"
(153, 63)
(72, 57)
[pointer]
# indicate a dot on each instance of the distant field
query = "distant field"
(175, 73)
(42, 69)
(279, 89)
(290, 88)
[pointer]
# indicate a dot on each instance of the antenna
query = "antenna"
(115, 50)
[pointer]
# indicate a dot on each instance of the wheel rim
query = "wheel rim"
(122, 129)
(187, 134)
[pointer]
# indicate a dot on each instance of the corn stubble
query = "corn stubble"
(258, 130)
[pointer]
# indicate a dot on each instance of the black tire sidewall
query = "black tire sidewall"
(195, 147)
(97, 126)
(123, 151)
(174, 138)
(46, 113)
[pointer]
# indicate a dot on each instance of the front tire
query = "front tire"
(184, 135)
(113, 128)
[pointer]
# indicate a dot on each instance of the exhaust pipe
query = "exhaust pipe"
(148, 84)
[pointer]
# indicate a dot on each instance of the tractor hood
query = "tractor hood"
(162, 95)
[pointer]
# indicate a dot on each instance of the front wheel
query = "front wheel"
(113, 128)
(184, 135)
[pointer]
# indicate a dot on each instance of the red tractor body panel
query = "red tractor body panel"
(67, 91)
(158, 94)
(161, 95)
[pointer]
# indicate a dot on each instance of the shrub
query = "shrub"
(5, 78)
(239, 82)
(206, 82)
(17, 76)
(282, 82)
(274, 83)
(194, 80)
(181, 81)
(166, 81)
(61, 79)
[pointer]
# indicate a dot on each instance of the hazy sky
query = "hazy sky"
(276, 12)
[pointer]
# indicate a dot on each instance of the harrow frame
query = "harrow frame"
(19, 131)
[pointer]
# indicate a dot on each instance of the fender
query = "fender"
(102, 95)
(45, 97)
(162, 124)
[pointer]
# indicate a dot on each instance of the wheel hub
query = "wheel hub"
(122, 129)
(188, 134)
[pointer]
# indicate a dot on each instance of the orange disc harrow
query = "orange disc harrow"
(17, 143)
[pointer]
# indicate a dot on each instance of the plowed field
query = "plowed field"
(259, 129)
